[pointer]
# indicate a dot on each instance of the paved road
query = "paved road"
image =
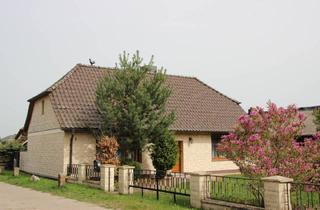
(18, 198)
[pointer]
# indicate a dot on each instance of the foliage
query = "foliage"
(316, 114)
(107, 150)
(132, 102)
(263, 143)
(128, 162)
(9, 147)
(164, 151)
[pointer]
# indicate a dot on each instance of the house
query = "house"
(61, 123)
(310, 127)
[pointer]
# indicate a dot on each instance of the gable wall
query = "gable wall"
(43, 122)
(45, 150)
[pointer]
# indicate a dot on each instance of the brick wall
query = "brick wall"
(45, 153)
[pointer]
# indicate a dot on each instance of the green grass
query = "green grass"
(97, 196)
(301, 198)
(236, 189)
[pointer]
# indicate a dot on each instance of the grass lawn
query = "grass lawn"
(97, 196)
(302, 198)
(236, 189)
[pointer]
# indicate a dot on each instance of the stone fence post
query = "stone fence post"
(125, 179)
(197, 188)
(107, 177)
(81, 173)
(277, 193)
(16, 171)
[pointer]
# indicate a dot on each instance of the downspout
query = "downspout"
(71, 151)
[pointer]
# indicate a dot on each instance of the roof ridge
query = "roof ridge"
(237, 102)
(114, 68)
(94, 66)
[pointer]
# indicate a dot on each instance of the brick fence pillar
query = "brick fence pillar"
(107, 177)
(197, 188)
(81, 173)
(125, 179)
(277, 193)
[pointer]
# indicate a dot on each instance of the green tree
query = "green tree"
(132, 102)
(164, 151)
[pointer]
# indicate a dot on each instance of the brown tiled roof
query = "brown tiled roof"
(198, 107)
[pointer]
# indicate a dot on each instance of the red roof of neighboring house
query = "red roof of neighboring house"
(198, 107)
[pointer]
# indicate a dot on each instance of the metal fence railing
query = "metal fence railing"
(235, 189)
(92, 173)
(73, 170)
(305, 196)
(161, 181)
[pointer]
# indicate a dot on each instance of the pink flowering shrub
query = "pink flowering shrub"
(263, 143)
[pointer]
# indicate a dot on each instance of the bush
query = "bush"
(9, 148)
(136, 164)
(107, 148)
(164, 151)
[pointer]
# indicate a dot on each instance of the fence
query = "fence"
(235, 189)
(92, 173)
(161, 181)
(73, 170)
(205, 191)
(305, 196)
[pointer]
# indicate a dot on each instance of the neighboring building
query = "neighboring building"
(310, 127)
(61, 121)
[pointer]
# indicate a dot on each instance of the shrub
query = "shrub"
(9, 147)
(263, 143)
(164, 151)
(108, 150)
(136, 164)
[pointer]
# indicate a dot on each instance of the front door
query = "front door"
(178, 166)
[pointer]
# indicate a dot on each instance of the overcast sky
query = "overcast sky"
(252, 51)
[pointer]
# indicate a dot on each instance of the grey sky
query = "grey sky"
(252, 51)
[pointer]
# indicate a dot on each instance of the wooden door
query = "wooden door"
(178, 166)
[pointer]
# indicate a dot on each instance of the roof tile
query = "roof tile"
(198, 107)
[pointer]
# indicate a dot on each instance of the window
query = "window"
(42, 107)
(215, 140)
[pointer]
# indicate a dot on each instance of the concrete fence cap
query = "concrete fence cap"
(108, 166)
(280, 179)
(126, 167)
(199, 173)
